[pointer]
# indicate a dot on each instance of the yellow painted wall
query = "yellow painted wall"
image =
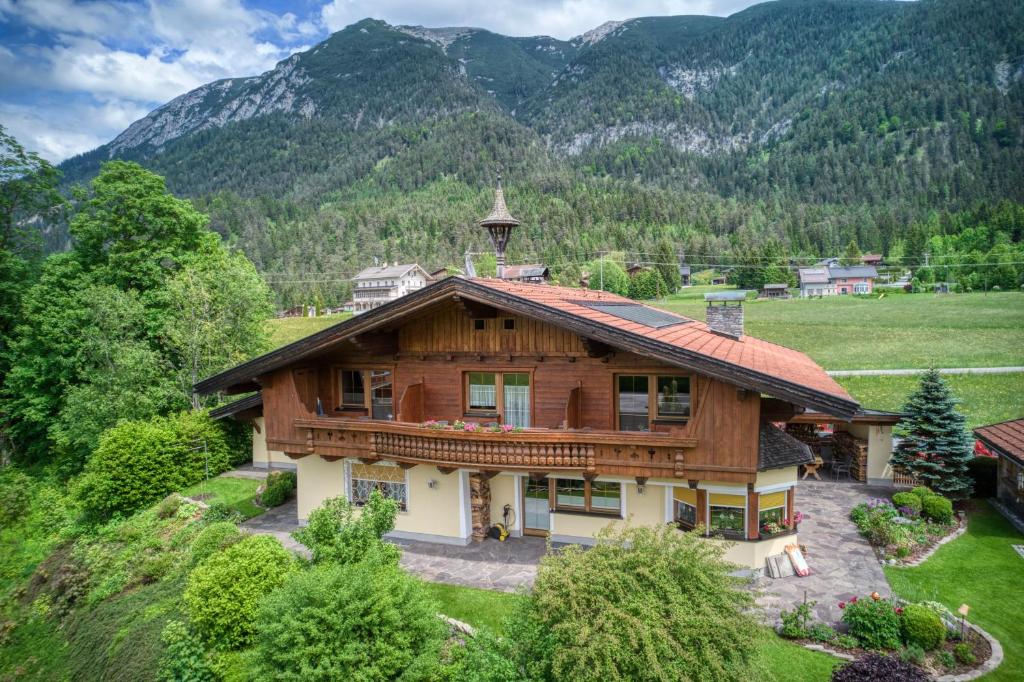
(879, 438)
(432, 511)
(503, 491)
(259, 448)
(776, 477)
(318, 480)
(753, 554)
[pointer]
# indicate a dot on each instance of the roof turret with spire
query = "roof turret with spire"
(499, 224)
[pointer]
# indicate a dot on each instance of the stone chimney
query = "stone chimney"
(725, 313)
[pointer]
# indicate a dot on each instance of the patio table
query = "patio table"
(812, 468)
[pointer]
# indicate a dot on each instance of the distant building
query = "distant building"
(815, 282)
(373, 287)
(635, 269)
(684, 275)
(535, 273)
(856, 279)
(779, 290)
(871, 259)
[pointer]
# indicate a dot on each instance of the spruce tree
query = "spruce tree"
(934, 445)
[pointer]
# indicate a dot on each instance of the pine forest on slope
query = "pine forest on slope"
(805, 123)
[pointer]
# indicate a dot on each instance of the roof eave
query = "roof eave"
(838, 406)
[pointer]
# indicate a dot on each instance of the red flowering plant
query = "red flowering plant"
(874, 622)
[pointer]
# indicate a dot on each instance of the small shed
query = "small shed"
(776, 290)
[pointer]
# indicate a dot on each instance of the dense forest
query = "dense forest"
(797, 126)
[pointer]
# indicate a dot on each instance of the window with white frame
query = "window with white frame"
(389, 480)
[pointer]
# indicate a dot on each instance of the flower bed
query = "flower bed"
(906, 526)
(471, 427)
(925, 635)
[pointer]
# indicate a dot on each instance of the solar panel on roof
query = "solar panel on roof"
(634, 312)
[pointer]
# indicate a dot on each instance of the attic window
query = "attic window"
(634, 312)
(509, 324)
(478, 325)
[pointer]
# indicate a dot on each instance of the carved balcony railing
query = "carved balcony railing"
(583, 451)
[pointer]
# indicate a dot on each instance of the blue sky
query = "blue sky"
(74, 74)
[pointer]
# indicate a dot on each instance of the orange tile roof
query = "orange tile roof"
(1008, 437)
(748, 352)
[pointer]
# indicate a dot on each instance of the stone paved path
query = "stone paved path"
(505, 566)
(842, 563)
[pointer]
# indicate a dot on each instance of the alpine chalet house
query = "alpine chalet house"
(373, 287)
(473, 401)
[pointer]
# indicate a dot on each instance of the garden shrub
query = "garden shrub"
(279, 487)
(963, 653)
(221, 511)
(184, 660)
(15, 496)
(223, 592)
(879, 668)
(874, 622)
(135, 464)
(922, 491)
(820, 632)
(381, 626)
(938, 509)
(335, 533)
(139, 462)
(912, 653)
(907, 500)
(642, 604)
(794, 623)
(846, 642)
(214, 538)
(947, 659)
(922, 627)
(169, 506)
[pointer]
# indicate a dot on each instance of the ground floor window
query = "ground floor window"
(771, 513)
(601, 497)
(685, 503)
(389, 480)
(726, 512)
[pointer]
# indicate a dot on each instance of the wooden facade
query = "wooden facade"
(573, 403)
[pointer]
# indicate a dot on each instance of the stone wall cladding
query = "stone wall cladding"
(725, 319)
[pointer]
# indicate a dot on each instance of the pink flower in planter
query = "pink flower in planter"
(470, 426)
(853, 600)
(505, 428)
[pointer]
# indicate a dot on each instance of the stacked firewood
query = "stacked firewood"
(848, 446)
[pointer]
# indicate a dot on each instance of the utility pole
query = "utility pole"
(600, 262)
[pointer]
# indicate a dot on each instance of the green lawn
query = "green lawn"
(287, 329)
(982, 570)
(237, 493)
(895, 331)
(986, 398)
(479, 608)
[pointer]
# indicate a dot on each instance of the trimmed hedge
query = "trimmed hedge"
(922, 491)
(923, 627)
(214, 538)
(908, 500)
(938, 509)
(224, 591)
(279, 487)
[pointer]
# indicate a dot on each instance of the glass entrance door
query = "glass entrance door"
(536, 507)
(380, 394)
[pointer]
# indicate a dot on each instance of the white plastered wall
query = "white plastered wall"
(260, 454)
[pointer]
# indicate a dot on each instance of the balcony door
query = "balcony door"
(381, 394)
(536, 507)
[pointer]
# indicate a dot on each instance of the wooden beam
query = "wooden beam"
(407, 465)
(595, 349)
(488, 474)
(538, 475)
(368, 460)
(641, 480)
(475, 310)
(446, 470)
(331, 458)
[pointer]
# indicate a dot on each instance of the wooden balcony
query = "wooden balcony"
(533, 450)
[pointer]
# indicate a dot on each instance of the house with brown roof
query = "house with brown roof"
(555, 411)
(1006, 441)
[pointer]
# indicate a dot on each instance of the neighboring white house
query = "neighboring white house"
(373, 287)
(815, 282)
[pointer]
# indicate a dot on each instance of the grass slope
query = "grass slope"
(980, 569)
(284, 330)
(893, 332)
(985, 398)
(237, 493)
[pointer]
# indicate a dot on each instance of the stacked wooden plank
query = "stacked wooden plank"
(848, 446)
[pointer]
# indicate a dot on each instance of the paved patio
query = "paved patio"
(504, 566)
(842, 563)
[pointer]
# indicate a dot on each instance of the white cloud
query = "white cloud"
(58, 132)
(558, 18)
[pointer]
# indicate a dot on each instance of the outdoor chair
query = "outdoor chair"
(840, 467)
